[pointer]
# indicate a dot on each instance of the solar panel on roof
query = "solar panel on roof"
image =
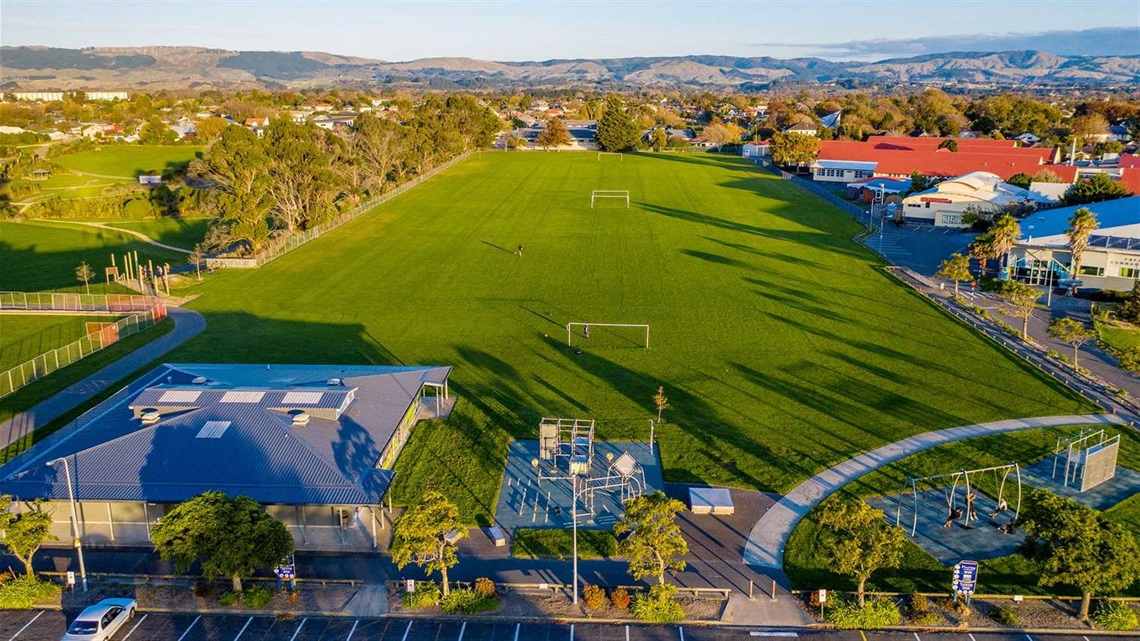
(242, 397)
(213, 429)
(302, 398)
(179, 396)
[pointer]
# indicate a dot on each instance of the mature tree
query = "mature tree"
(652, 539)
(659, 139)
(661, 402)
(555, 134)
(955, 268)
(1093, 190)
(1005, 233)
(1129, 309)
(1087, 126)
(85, 275)
(1130, 360)
(919, 182)
(1021, 299)
(1071, 332)
(1047, 176)
(426, 535)
(1020, 180)
(231, 537)
(209, 129)
(303, 184)
(238, 165)
(793, 149)
(949, 144)
(865, 542)
(982, 248)
(156, 132)
(721, 134)
(22, 533)
(616, 129)
(1076, 545)
(1081, 226)
(378, 143)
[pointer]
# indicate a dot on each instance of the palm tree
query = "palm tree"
(1004, 234)
(1081, 226)
(983, 250)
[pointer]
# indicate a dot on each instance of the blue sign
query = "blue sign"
(965, 577)
(286, 572)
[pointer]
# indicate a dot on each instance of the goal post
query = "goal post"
(584, 332)
(621, 156)
(620, 194)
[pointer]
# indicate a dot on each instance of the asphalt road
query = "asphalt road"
(50, 626)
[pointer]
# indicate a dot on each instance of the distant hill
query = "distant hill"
(41, 68)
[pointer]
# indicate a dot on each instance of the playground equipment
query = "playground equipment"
(1001, 475)
(569, 438)
(1090, 458)
(572, 440)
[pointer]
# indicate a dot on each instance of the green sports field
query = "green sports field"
(782, 345)
(25, 336)
(127, 161)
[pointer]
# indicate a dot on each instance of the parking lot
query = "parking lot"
(50, 626)
(919, 247)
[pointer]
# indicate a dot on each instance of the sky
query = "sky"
(542, 30)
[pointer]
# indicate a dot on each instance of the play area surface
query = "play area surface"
(1041, 474)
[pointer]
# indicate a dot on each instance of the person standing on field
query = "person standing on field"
(586, 329)
(519, 252)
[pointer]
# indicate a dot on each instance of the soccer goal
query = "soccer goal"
(608, 334)
(608, 193)
(621, 156)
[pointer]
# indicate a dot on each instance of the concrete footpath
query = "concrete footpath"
(766, 542)
(187, 325)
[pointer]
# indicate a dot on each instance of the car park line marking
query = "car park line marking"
(681, 631)
(789, 635)
(27, 624)
(626, 633)
(973, 639)
(352, 631)
(242, 631)
(406, 631)
(136, 627)
(1029, 637)
(462, 629)
(571, 632)
(864, 636)
(192, 623)
(298, 630)
(916, 637)
(519, 625)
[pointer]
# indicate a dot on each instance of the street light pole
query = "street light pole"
(74, 519)
(574, 518)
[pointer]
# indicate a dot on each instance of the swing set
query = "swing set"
(1001, 474)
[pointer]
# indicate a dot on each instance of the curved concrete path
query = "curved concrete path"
(765, 546)
(141, 236)
(187, 325)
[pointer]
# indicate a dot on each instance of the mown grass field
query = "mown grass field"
(807, 567)
(127, 161)
(1120, 337)
(38, 255)
(782, 345)
(176, 232)
(23, 337)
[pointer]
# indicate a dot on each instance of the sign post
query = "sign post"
(965, 579)
(822, 602)
(287, 573)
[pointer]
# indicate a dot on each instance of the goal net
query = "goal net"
(621, 157)
(599, 194)
(608, 335)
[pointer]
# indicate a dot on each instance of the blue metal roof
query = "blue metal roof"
(259, 453)
(1110, 213)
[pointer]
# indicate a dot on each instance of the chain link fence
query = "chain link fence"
(145, 312)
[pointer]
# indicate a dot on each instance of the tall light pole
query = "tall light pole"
(74, 519)
(574, 519)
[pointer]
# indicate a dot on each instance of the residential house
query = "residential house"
(803, 127)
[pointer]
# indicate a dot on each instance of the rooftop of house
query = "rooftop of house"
(1118, 218)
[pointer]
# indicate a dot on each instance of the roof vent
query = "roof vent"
(199, 380)
(300, 418)
(150, 416)
(334, 382)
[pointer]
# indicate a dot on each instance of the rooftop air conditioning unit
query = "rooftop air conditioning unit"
(334, 382)
(150, 416)
(300, 418)
(199, 380)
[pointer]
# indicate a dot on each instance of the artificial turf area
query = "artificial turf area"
(807, 566)
(128, 161)
(39, 255)
(782, 345)
(23, 337)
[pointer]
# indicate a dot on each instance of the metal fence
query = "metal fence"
(274, 251)
(854, 210)
(68, 302)
(107, 335)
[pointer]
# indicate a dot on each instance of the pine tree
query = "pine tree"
(616, 130)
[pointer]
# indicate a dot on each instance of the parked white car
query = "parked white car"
(101, 621)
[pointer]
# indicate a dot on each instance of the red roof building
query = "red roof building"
(841, 160)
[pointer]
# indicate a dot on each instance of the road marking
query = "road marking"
(571, 632)
(787, 635)
(517, 626)
(247, 622)
(863, 635)
(1029, 637)
(973, 639)
(681, 631)
(626, 633)
(462, 630)
(298, 630)
(136, 627)
(406, 631)
(353, 630)
(192, 623)
(916, 637)
(27, 624)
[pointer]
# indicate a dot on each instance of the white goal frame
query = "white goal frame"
(608, 193)
(570, 326)
(620, 155)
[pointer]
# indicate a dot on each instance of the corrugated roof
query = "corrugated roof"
(903, 156)
(1119, 218)
(260, 453)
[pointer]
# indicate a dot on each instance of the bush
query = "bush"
(620, 598)
(878, 613)
(917, 604)
(425, 596)
(257, 596)
(203, 589)
(25, 591)
(467, 602)
(484, 587)
(1004, 615)
(229, 598)
(594, 596)
(658, 606)
(1114, 615)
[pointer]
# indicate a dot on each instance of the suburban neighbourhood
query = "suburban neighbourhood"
(833, 340)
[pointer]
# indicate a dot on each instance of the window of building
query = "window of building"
(951, 219)
(1091, 270)
(1130, 272)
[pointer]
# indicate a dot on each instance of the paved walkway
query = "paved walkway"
(141, 236)
(187, 325)
(766, 542)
